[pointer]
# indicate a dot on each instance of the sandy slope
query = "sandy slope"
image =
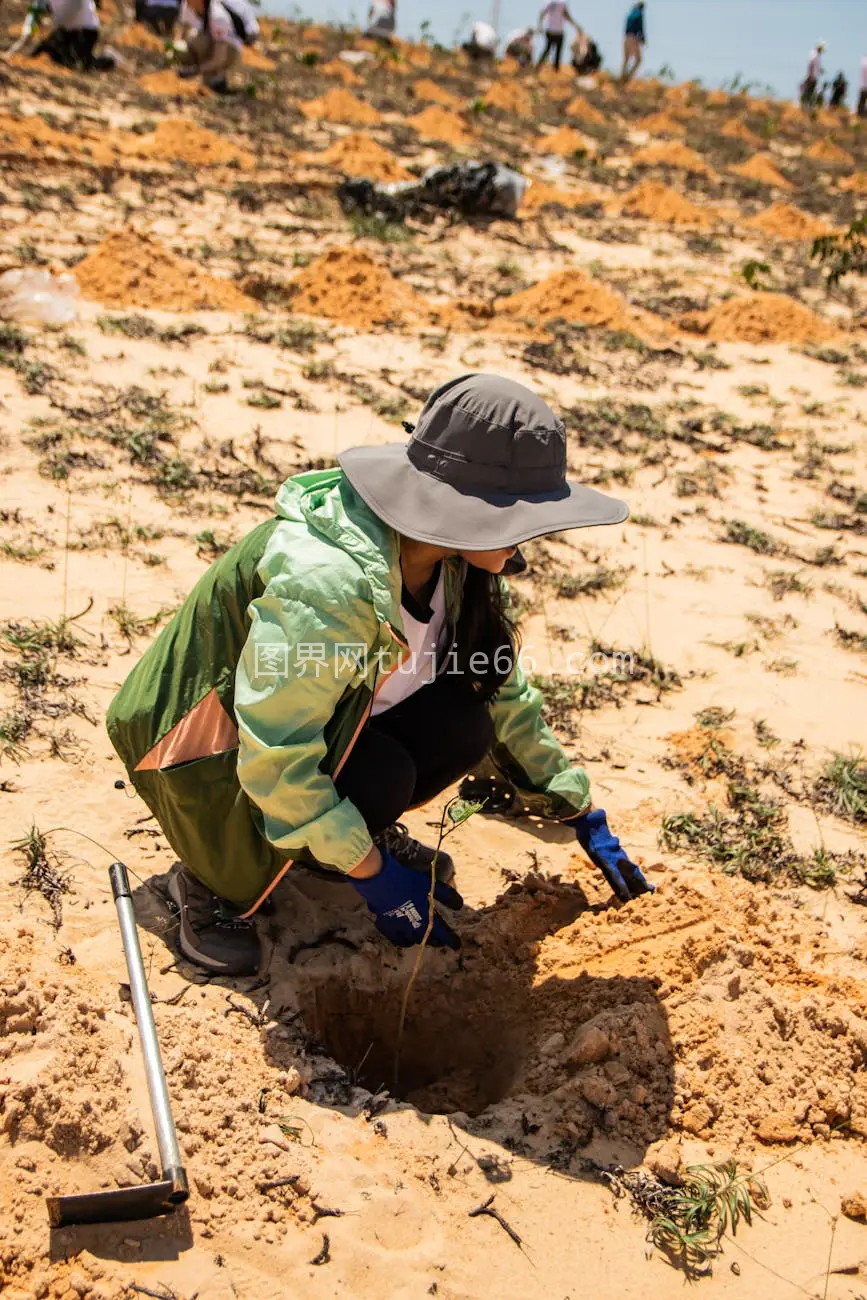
(729, 1016)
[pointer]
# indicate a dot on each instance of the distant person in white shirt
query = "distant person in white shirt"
(519, 45)
(73, 36)
(218, 30)
(810, 84)
(862, 93)
(552, 21)
(482, 45)
(381, 20)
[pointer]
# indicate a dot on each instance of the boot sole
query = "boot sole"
(187, 937)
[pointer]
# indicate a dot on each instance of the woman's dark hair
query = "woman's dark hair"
(486, 640)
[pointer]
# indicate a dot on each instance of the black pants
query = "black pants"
(160, 19)
(553, 43)
(413, 751)
(862, 104)
(70, 49)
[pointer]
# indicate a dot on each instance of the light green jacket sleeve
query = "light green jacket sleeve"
(530, 754)
(289, 681)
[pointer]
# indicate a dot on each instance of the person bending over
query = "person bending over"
(351, 658)
(216, 31)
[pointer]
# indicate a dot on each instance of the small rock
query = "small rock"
(733, 987)
(854, 1206)
(666, 1163)
(588, 1046)
(597, 1091)
(204, 1186)
(777, 1127)
(552, 1044)
(697, 1118)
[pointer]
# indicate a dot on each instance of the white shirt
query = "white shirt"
(864, 73)
(554, 17)
(814, 67)
(419, 666)
(484, 36)
(74, 15)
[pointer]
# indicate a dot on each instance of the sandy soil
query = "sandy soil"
(235, 327)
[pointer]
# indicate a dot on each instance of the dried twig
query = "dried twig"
(324, 1212)
(486, 1209)
(324, 1255)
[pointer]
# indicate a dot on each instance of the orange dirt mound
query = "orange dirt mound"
(735, 129)
(358, 155)
(660, 124)
(785, 221)
(564, 142)
(40, 64)
(131, 269)
(169, 83)
(435, 123)
(540, 195)
(180, 138)
(716, 99)
(340, 106)
(342, 71)
(430, 93)
(511, 98)
(348, 286)
(761, 168)
(765, 318)
(255, 59)
(657, 202)
(138, 37)
(673, 155)
(581, 107)
(562, 90)
(829, 152)
(571, 295)
(857, 182)
(30, 135)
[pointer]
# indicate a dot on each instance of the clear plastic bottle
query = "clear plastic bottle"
(33, 296)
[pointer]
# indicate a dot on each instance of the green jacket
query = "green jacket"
(235, 722)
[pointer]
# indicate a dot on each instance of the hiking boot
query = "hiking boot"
(207, 935)
(397, 841)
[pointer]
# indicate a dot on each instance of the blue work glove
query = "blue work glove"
(606, 852)
(398, 897)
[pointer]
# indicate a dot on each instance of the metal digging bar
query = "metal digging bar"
(172, 1190)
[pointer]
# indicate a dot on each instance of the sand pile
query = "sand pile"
(132, 269)
(761, 168)
(348, 286)
(359, 155)
(785, 221)
(572, 296)
(565, 142)
(829, 152)
(340, 106)
(139, 37)
(716, 98)
(660, 124)
(430, 93)
(30, 135)
(184, 140)
(540, 194)
(857, 182)
(735, 129)
(435, 123)
(510, 97)
(168, 82)
(255, 59)
(658, 202)
(559, 91)
(673, 155)
(42, 64)
(581, 107)
(342, 71)
(764, 318)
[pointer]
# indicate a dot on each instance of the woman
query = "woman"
(350, 659)
(552, 21)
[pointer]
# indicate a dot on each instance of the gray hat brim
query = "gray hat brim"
(422, 507)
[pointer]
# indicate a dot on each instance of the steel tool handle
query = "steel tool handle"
(167, 1140)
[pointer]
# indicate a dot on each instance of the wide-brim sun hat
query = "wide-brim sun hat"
(485, 468)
